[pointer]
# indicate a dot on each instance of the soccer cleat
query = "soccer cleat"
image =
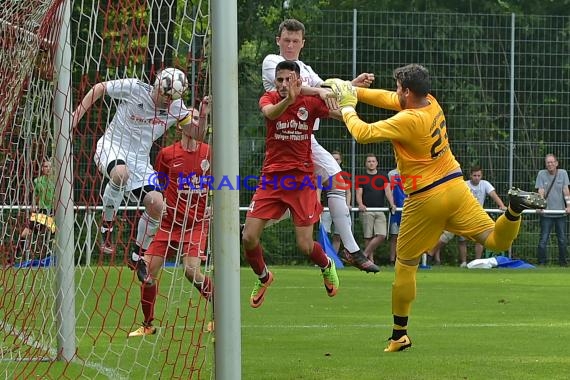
(523, 200)
(360, 261)
(140, 267)
(258, 292)
(143, 330)
(398, 345)
(106, 244)
(107, 247)
(330, 279)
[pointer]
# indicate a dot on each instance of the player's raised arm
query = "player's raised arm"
(94, 94)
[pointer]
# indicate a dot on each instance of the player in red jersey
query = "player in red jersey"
(287, 177)
(186, 221)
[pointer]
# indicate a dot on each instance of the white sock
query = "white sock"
(112, 198)
(146, 230)
(341, 218)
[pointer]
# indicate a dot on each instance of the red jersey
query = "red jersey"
(288, 139)
(187, 189)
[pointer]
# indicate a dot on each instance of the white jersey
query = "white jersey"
(137, 123)
(308, 76)
(481, 190)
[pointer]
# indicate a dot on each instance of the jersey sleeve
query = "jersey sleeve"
(266, 100)
(268, 71)
(394, 128)
(379, 98)
(313, 79)
(122, 88)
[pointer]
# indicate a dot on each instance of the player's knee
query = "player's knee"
(120, 175)
(249, 240)
(154, 204)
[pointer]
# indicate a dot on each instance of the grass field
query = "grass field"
(465, 324)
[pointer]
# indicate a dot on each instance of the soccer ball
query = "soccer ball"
(172, 82)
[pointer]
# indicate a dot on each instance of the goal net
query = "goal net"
(107, 40)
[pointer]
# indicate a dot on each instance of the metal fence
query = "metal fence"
(503, 81)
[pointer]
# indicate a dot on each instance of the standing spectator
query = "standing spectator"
(41, 217)
(552, 183)
(326, 218)
(481, 189)
(398, 195)
(373, 193)
(289, 118)
(291, 40)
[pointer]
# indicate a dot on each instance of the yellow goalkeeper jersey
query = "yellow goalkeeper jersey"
(419, 137)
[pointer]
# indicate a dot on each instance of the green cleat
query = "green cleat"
(330, 279)
(258, 292)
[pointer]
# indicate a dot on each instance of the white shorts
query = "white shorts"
(325, 164)
(141, 171)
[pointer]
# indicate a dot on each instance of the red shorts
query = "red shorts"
(167, 244)
(283, 191)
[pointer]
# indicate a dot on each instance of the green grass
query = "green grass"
(479, 324)
(465, 324)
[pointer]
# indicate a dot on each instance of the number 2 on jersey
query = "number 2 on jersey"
(440, 144)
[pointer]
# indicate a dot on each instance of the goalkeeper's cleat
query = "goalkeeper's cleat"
(143, 330)
(360, 261)
(259, 289)
(523, 200)
(398, 345)
(330, 279)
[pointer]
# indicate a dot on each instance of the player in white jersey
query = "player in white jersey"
(143, 114)
(291, 39)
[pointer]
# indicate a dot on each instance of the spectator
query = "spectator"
(326, 217)
(552, 183)
(371, 194)
(398, 195)
(41, 218)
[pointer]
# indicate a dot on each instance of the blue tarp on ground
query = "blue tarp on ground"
(323, 239)
(36, 263)
(499, 262)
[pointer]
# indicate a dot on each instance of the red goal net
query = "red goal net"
(106, 41)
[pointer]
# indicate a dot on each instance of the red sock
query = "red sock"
(148, 298)
(255, 259)
(318, 256)
(206, 288)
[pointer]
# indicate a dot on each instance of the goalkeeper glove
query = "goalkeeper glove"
(344, 91)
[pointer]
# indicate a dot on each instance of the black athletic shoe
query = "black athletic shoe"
(523, 200)
(360, 261)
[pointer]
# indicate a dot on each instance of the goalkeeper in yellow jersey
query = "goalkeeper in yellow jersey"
(438, 198)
